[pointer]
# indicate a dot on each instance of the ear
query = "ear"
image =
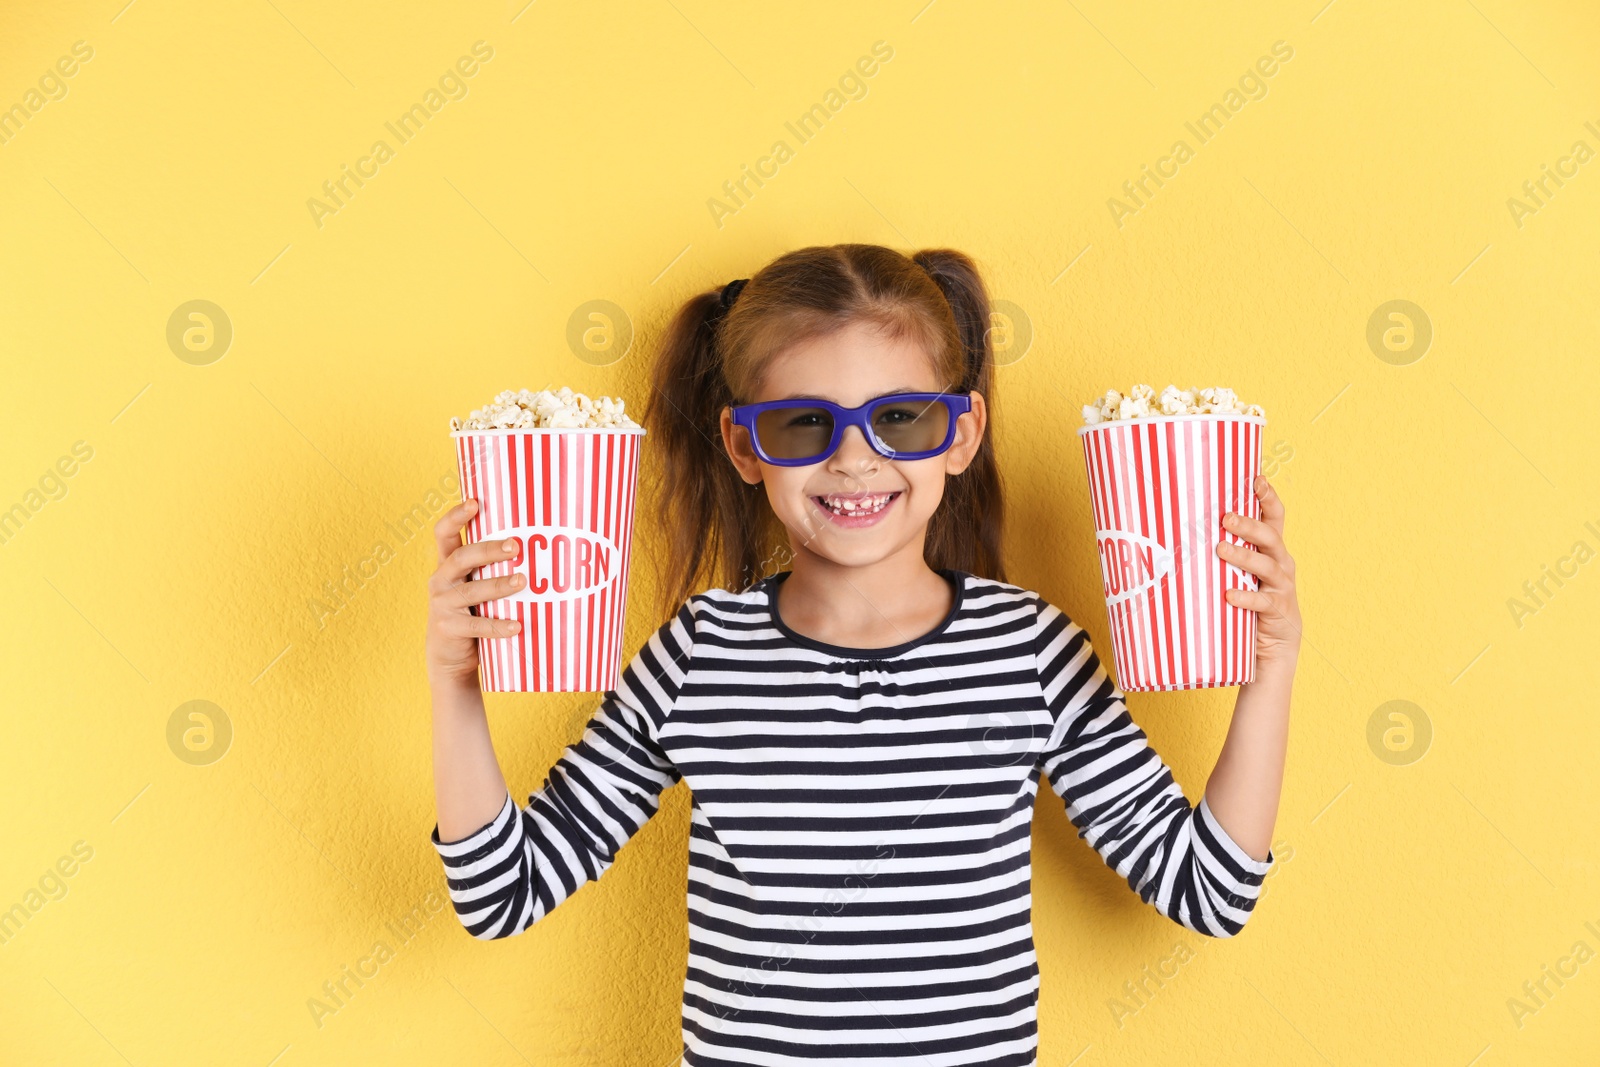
(736, 443)
(969, 435)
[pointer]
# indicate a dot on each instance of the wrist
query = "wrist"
(1281, 666)
(454, 690)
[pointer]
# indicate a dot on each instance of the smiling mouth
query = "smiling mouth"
(853, 504)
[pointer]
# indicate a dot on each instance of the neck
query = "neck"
(886, 602)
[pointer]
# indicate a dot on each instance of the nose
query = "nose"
(855, 455)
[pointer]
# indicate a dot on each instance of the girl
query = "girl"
(862, 733)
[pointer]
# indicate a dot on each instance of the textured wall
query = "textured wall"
(215, 492)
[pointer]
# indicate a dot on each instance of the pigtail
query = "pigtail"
(715, 523)
(967, 530)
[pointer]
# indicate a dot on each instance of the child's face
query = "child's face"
(850, 367)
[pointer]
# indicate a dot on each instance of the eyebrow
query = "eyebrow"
(891, 392)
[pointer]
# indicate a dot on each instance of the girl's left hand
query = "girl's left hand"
(1274, 601)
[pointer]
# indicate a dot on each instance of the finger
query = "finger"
(1255, 531)
(466, 594)
(1275, 606)
(1271, 503)
(447, 531)
(469, 557)
(478, 626)
(1259, 564)
(1250, 599)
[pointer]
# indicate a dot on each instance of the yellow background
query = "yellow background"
(1409, 902)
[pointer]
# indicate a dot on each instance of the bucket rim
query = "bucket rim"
(1259, 420)
(503, 431)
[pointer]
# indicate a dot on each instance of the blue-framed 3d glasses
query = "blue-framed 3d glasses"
(802, 431)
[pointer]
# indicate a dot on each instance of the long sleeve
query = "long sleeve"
(510, 873)
(1122, 797)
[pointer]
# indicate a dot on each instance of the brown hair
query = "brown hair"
(710, 358)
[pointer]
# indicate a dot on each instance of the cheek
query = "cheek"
(785, 488)
(926, 480)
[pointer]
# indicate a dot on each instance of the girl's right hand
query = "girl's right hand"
(453, 631)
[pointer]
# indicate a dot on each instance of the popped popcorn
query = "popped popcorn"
(1143, 402)
(544, 410)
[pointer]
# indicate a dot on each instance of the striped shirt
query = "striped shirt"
(859, 873)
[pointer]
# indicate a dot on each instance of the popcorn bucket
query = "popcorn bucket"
(566, 496)
(1159, 487)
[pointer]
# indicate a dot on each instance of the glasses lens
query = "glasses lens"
(799, 432)
(911, 425)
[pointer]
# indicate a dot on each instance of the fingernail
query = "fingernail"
(509, 546)
(515, 627)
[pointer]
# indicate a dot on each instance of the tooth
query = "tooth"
(857, 505)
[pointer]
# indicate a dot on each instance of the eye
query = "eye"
(897, 416)
(808, 418)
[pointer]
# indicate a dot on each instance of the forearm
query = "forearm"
(469, 788)
(1245, 786)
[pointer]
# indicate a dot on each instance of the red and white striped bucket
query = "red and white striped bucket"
(567, 497)
(1159, 487)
